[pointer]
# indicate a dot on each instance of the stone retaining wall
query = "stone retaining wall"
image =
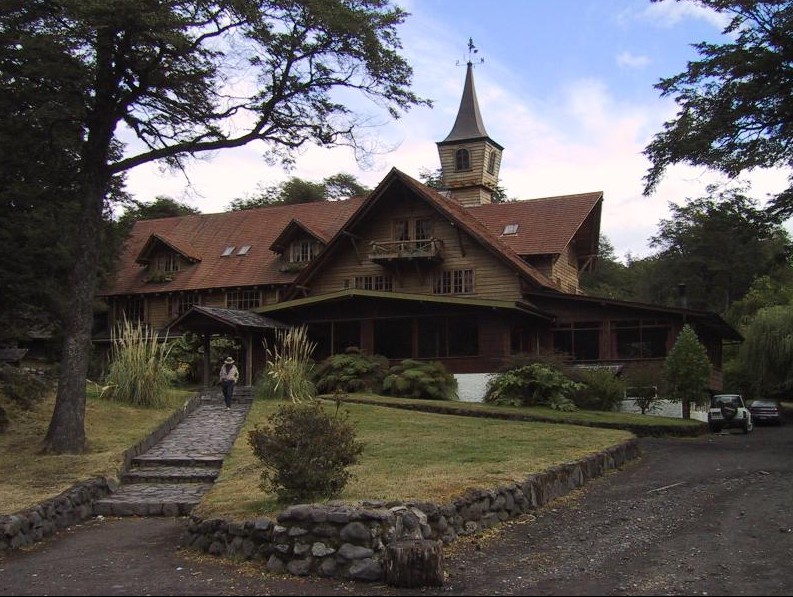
(347, 541)
(77, 503)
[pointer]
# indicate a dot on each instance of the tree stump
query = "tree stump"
(414, 563)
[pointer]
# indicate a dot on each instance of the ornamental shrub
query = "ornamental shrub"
(351, 371)
(306, 452)
(600, 389)
(535, 384)
(420, 379)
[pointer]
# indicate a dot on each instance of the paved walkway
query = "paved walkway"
(172, 477)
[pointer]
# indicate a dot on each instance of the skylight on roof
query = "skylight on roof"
(244, 250)
(227, 251)
(510, 229)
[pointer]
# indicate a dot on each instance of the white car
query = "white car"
(729, 411)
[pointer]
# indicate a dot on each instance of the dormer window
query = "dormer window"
(302, 251)
(462, 160)
(510, 229)
(168, 263)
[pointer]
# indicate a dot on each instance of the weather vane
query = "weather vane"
(472, 49)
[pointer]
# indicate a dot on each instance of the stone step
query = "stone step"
(171, 474)
(152, 499)
(145, 460)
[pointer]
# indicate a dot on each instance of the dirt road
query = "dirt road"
(705, 516)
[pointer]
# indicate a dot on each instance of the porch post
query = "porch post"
(249, 359)
(207, 364)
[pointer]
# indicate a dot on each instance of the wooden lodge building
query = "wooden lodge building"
(406, 271)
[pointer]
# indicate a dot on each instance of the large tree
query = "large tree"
(297, 190)
(735, 102)
(186, 77)
(717, 246)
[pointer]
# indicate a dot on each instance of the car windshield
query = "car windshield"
(725, 400)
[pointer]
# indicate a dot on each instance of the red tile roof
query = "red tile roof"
(544, 226)
(208, 235)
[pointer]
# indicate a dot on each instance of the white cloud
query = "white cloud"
(629, 60)
(671, 12)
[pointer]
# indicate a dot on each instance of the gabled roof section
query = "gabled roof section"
(292, 229)
(218, 320)
(547, 225)
(183, 247)
(209, 235)
(450, 209)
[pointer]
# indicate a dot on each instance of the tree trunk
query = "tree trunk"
(66, 433)
(414, 563)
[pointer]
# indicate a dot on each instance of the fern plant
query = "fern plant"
(418, 379)
(351, 371)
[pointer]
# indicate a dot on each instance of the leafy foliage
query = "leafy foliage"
(535, 384)
(289, 369)
(297, 190)
(87, 70)
(161, 207)
(717, 246)
(138, 373)
(599, 389)
(306, 452)
(351, 371)
(766, 355)
(686, 371)
(20, 387)
(420, 379)
(735, 102)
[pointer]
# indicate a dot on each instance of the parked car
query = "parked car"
(729, 411)
(766, 411)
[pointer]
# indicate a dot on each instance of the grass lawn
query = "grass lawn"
(28, 477)
(415, 455)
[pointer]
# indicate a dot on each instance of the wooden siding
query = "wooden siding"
(492, 278)
(475, 185)
(565, 271)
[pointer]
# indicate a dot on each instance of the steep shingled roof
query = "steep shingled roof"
(450, 209)
(210, 234)
(546, 226)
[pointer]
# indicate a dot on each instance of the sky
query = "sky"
(565, 86)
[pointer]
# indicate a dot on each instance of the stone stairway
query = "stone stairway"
(173, 475)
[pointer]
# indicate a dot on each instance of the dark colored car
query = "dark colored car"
(766, 411)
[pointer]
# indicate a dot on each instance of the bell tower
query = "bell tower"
(470, 159)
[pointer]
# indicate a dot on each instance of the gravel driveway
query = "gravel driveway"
(705, 516)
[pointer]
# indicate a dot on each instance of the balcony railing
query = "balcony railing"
(427, 250)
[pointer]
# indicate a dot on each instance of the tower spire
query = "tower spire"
(468, 124)
(470, 159)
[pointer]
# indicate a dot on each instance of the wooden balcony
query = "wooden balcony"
(428, 250)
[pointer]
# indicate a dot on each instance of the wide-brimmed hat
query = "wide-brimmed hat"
(229, 361)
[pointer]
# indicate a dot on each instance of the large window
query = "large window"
(462, 160)
(448, 337)
(581, 340)
(641, 339)
(180, 304)
(393, 338)
(243, 299)
(333, 337)
(458, 281)
(374, 283)
(133, 309)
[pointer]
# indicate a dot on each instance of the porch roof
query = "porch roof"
(217, 320)
(353, 293)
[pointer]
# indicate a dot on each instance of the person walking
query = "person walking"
(228, 377)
